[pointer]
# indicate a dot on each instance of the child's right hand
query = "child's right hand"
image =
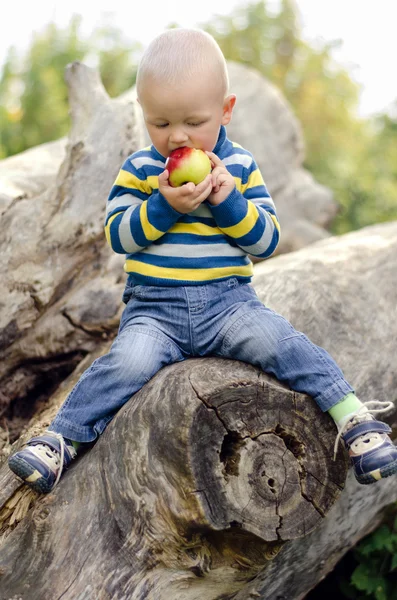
(188, 197)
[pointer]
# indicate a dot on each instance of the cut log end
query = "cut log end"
(268, 469)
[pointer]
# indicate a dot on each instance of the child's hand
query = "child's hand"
(222, 181)
(187, 197)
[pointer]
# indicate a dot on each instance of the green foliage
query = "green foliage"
(374, 575)
(33, 94)
(356, 158)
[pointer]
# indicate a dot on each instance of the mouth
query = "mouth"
(179, 147)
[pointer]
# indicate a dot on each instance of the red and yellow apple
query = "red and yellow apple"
(187, 164)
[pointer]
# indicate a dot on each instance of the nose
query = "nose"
(178, 136)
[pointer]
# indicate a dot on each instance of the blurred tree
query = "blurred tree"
(356, 158)
(340, 147)
(33, 94)
(370, 183)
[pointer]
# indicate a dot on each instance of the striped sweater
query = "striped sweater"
(165, 247)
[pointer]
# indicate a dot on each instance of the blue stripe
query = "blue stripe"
(136, 229)
(154, 154)
(231, 241)
(234, 170)
(138, 279)
(151, 170)
(258, 191)
(114, 235)
(129, 167)
(210, 262)
(204, 220)
(115, 211)
(255, 234)
(119, 190)
(229, 150)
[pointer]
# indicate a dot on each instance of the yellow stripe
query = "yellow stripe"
(277, 224)
(235, 145)
(107, 227)
(133, 266)
(253, 180)
(128, 180)
(194, 228)
(153, 182)
(245, 224)
(150, 231)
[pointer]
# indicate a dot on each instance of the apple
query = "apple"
(187, 164)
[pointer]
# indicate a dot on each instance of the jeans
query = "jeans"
(164, 325)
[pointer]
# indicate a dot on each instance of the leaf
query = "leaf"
(381, 539)
(366, 580)
(382, 591)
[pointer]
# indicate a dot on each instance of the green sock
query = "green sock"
(75, 444)
(348, 405)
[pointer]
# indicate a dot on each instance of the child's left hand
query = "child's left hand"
(222, 182)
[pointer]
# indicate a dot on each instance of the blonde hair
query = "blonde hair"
(178, 54)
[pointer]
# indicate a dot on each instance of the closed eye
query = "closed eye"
(161, 126)
(196, 124)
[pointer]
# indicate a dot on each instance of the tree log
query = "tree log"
(148, 494)
(198, 480)
(196, 483)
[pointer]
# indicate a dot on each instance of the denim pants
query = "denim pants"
(163, 325)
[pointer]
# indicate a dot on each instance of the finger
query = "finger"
(188, 188)
(217, 173)
(163, 178)
(204, 184)
(215, 159)
(205, 193)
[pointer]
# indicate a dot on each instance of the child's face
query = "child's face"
(189, 114)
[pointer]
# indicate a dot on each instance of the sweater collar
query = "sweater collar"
(221, 140)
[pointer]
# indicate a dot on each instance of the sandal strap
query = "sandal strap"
(363, 428)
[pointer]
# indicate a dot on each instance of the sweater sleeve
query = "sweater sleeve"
(137, 214)
(249, 216)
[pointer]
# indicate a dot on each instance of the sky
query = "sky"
(366, 28)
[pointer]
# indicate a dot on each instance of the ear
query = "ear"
(228, 106)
